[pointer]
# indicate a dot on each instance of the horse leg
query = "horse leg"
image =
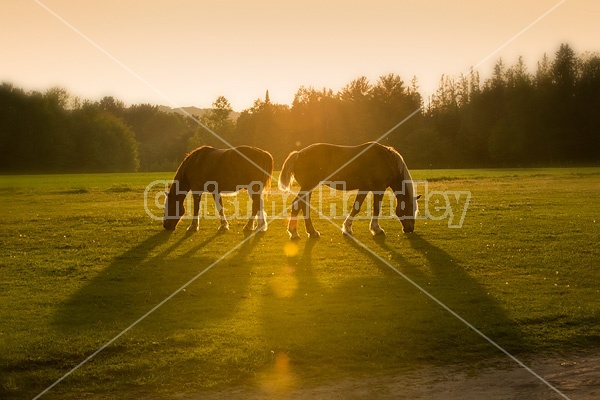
(347, 225)
(249, 227)
(293, 222)
(310, 229)
(374, 226)
(258, 208)
(196, 218)
(219, 206)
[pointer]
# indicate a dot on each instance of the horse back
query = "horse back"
(248, 165)
(370, 166)
(229, 168)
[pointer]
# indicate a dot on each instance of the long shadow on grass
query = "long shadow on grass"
(446, 277)
(363, 318)
(151, 271)
(139, 279)
(115, 295)
(346, 315)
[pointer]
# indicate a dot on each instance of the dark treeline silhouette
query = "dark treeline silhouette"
(515, 118)
(44, 133)
(520, 119)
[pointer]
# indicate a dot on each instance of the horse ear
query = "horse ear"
(418, 197)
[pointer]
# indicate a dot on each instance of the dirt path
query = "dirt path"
(576, 376)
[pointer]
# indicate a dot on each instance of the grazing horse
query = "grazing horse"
(369, 167)
(219, 171)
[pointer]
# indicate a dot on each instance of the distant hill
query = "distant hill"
(191, 110)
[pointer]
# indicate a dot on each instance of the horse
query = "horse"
(220, 171)
(369, 167)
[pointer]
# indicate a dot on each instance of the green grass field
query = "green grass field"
(81, 261)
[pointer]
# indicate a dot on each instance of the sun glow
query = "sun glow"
(281, 377)
(278, 54)
(290, 249)
(285, 284)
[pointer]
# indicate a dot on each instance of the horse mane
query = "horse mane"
(189, 154)
(397, 158)
(404, 174)
(180, 175)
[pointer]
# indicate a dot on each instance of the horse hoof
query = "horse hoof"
(223, 229)
(314, 235)
(295, 237)
(262, 228)
(193, 228)
(347, 232)
(379, 232)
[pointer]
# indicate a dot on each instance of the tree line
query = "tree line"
(514, 118)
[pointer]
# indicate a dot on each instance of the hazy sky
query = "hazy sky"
(182, 53)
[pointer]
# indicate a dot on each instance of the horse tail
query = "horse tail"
(267, 166)
(287, 171)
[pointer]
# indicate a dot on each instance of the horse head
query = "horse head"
(406, 201)
(174, 208)
(406, 210)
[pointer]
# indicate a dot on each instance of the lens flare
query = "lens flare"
(290, 249)
(284, 284)
(280, 378)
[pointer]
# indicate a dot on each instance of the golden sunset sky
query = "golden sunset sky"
(183, 53)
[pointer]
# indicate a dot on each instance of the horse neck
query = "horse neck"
(404, 185)
(408, 183)
(180, 185)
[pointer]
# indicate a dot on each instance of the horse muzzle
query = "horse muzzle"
(408, 225)
(169, 225)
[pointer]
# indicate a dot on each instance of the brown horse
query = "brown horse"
(219, 171)
(369, 167)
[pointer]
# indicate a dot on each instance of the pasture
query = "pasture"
(81, 261)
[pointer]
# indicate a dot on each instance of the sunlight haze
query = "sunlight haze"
(183, 53)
